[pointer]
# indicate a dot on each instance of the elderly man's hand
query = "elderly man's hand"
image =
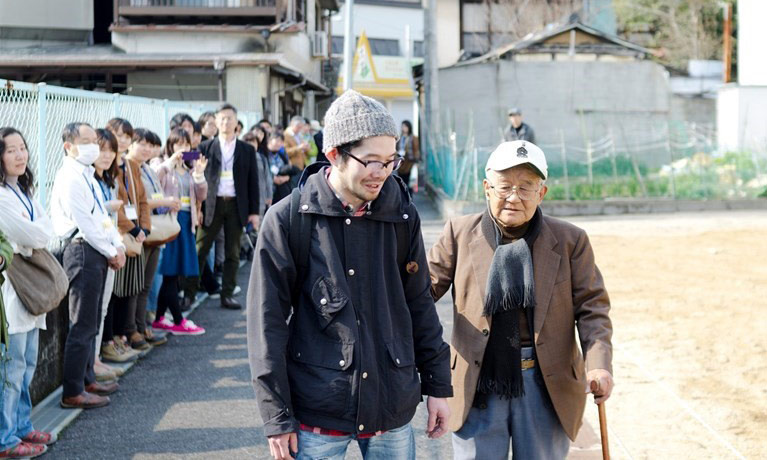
(600, 383)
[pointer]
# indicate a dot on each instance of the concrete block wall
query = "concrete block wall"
(586, 100)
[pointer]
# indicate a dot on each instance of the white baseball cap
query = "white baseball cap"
(515, 153)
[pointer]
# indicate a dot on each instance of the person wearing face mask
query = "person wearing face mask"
(27, 226)
(79, 215)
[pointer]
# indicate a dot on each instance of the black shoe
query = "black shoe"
(215, 293)
(230, 303)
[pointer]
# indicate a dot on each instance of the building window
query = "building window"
(418, 49)
(378, 46)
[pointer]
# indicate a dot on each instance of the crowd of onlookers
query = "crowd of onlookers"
(137, 225)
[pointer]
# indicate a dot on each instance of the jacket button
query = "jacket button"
(405, 216)
(325, 302)
(348, 221)
(396, 360)
(298, 355)
(305, 207)
(362, 427)
(483, 406)
(351, 272)
(341, 363)
(364, 375)
(477, 363)
(485, 332)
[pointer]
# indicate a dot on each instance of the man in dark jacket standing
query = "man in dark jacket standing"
(232, 201)
(337, 341)
(518, 129)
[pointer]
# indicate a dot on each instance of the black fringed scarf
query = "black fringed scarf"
(510, 289)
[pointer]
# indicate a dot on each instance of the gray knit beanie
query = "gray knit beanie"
(353, 117)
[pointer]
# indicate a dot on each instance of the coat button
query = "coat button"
(368, 213)
(305, 207)
(396, 360)
(362, 427)
(348, 221)
(477, 363)
(485, 332)
(298, 355)
(364, 375)
(351, 272)
(483, 406)
(405, 216)
(325, 302)
(341, 363)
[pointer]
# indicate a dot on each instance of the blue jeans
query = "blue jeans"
(151, 304)
(15, 403)
(397, 444)
(529, 422)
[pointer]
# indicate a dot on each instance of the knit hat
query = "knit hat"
(353, 117)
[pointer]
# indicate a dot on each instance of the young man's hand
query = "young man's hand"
(439, 414)
(283, 446)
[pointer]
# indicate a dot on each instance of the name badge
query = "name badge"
(130, 212)
(186, 201)
(107, 224)
(157, 196)
(225, 174)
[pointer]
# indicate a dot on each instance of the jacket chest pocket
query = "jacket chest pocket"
(320, 374)
(327, 301)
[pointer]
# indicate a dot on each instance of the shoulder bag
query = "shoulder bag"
(39, 281)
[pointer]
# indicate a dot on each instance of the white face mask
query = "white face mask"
(88, 153)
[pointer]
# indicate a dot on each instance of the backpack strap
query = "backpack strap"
(300, 234)
(402, 230)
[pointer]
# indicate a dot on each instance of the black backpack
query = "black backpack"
(300, 236)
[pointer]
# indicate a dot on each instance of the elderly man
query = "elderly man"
(521, 283)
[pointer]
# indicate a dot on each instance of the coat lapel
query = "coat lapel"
(481, 257)
(545, 268)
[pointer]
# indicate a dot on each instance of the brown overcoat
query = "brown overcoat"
(569, 293)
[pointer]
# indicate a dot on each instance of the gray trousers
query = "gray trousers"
(135, 317)
(86, 270)
(529, 422)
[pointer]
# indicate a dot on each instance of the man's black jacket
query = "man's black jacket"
(245, 171)
(348, 356)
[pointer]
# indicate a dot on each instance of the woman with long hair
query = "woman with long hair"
(133, 221)
(184, 180)
(105, 173)
(27, 227)
(408, 148)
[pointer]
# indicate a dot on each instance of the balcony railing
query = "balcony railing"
(251, 12)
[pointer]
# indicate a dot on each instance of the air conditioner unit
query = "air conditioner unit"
(320, 44)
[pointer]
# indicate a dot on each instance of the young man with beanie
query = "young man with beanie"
(339, 332)
(522, 283)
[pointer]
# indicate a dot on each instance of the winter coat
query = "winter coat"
(347, 357)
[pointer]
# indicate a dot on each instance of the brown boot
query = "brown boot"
(102, 389)
(84, 400)
(137, 342)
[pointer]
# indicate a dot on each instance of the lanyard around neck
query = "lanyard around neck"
(27, 205)
(93, 191)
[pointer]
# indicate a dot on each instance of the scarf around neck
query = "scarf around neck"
(510, 291)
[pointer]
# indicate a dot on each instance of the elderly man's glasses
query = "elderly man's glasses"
(375, 165)
(525, 194)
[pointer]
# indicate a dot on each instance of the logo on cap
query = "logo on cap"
(522, 152)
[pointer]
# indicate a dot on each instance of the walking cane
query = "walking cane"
(602, 424)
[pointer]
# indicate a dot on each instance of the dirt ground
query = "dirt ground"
(689, 296)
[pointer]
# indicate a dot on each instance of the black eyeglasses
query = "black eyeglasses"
(375, 165)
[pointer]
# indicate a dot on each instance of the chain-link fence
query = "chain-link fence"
(678, 160)
(40, 112)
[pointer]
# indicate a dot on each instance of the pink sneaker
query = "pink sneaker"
(187, 327)
(163, 323)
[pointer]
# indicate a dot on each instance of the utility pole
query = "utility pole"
(349, 44)
(727, 54)
(431, 75)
